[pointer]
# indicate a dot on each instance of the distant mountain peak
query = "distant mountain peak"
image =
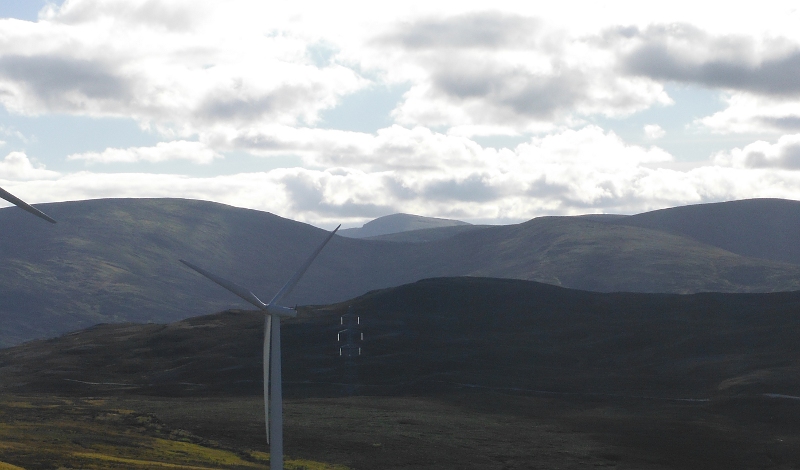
(396, 223)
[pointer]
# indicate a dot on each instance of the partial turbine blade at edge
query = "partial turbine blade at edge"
(233, 287)
(24, 205)
(287, 288)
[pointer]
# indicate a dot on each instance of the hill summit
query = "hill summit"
(397, 223)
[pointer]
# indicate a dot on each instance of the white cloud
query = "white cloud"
(756, 73)
(653, 131)
(569, 172)
(17, 166)
(215, 77)
(180, 66)
(195, 152)
(183, 67)
(489, 69)
(748, 113)
(186, 68)
(784, 154)
(393, 148)
(11, 132)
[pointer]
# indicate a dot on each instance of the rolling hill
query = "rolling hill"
(116, 260)
(760, 228)
(445, 334)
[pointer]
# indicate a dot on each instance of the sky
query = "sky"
(341, 112)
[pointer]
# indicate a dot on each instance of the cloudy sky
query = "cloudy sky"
(330, 112)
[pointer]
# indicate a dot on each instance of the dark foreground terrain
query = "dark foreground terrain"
(457, 373)
(468, 430)
(439, 335)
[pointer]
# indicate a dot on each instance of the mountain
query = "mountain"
(396, 223)
(759, 228)
(443, 334)
(585, 254)
(116, 260)
(426, 234)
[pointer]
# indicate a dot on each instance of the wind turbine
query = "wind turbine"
(24, 205)
(273, 390)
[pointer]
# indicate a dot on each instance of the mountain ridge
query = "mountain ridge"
(771, 231)
(116, 260)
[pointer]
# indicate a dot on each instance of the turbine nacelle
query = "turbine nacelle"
(280, 311)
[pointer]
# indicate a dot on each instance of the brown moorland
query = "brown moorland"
(456, 373)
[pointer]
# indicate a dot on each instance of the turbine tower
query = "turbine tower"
(273, 390)
(24, 205)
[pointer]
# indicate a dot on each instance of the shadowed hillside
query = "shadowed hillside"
(426, 234)
(117, 260)
(444, 334)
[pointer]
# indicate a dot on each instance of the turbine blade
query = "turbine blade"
(24, 205)
(267, 337)
(235, 288)
(287, 288)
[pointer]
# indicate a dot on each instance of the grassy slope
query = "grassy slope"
(501, 431)
(116, 260)
(761, 228)
(54, 432)
(463, 432)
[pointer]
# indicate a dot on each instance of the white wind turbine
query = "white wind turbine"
(24, 205)
(273, 392)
